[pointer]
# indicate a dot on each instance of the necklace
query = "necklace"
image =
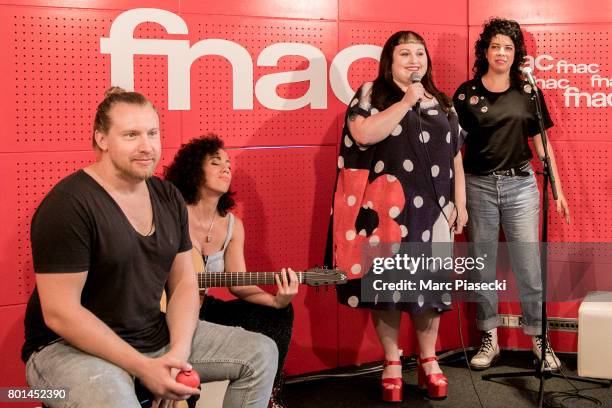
(199, 216)
(212, 221)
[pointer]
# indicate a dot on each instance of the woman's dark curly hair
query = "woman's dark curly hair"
(490, 29)
(385, 91)
(186, 171)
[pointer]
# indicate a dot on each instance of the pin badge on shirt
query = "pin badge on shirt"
(461, 97)
(473, 100)
(527, 88)
(484, 109)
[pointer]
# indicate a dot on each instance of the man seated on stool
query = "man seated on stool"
(106, 240)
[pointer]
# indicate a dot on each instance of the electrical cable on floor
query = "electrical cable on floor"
(554, 399)
(315, 377)
(467, 361)
(364, 371)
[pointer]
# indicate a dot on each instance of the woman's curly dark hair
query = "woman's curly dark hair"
(490, 29)
(186, 171)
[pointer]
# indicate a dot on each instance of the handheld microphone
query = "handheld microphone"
(528, 72)
(416, 77)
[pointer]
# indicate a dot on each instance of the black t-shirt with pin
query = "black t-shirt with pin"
(498, 125)
(79, 227)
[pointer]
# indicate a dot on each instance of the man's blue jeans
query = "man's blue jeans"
(249, 360)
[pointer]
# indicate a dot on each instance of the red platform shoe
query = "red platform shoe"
(392, 387)
(435, 384)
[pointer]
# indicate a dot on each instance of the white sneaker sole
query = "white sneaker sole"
(484, 367)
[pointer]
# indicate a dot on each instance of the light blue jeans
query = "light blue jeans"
(513, 202)
(249, 360)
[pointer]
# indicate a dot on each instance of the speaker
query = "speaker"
(594, 333)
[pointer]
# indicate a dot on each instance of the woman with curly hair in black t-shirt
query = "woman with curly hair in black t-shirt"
(497, 108)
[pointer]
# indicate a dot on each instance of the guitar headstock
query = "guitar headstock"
(323, 276)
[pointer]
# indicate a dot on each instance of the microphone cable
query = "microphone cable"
(436, 197)
(428, 171)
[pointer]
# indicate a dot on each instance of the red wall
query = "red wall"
(284, 160)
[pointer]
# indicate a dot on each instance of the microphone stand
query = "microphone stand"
(542, 370)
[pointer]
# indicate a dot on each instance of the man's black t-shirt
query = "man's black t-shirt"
(498, 125)
(79, 227)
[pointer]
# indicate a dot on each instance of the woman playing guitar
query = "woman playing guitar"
(201, 171)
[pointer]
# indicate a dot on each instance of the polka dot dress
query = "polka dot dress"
(398, 190)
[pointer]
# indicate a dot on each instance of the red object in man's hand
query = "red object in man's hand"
(189, 378)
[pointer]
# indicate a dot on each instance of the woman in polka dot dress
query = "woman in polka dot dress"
(400, 180)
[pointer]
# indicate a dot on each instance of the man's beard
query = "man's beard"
(128, 173)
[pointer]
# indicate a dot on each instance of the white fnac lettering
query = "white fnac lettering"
(546, 62)
(122, 46)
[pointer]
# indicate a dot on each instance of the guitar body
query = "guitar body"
(198, 264)
(198, 261)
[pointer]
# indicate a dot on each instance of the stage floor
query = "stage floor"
(364, 390)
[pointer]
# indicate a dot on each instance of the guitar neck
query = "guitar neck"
(225, 279)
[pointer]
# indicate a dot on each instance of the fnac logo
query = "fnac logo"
(122, 46)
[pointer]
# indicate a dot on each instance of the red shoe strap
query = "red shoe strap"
(388, 363)
(427, 359)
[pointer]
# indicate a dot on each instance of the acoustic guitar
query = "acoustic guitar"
(311, 277)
